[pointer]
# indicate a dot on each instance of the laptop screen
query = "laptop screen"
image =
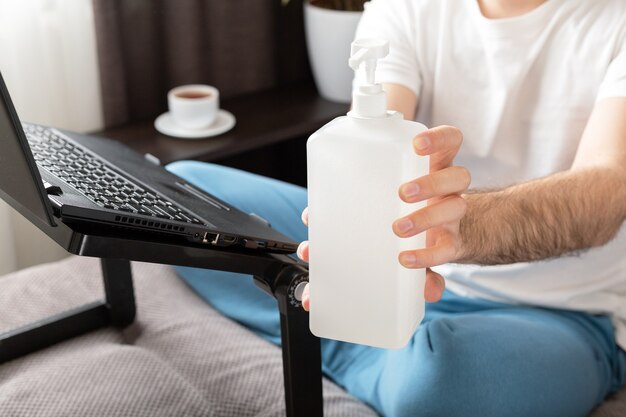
(20, 182)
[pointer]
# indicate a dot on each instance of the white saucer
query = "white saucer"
(223, 123)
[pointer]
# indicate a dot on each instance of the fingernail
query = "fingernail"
(404, 225)
(408, 259)
(423, 143)
(305, 215)
(411, 190)
(299, 250)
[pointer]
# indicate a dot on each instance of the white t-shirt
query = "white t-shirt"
(521, 89)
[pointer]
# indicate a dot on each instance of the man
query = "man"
(534, 322)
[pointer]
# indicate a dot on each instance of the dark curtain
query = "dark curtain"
(146, 47)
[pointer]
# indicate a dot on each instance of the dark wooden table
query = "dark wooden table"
(263, 119)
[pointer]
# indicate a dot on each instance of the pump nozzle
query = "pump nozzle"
(368, 51)
(368, 100)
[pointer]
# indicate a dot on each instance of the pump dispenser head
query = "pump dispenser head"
(368, 100)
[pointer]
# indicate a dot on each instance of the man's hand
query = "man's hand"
(440, 218)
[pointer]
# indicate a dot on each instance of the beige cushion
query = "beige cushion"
(180, 357)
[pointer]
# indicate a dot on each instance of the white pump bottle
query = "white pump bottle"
(359, 292)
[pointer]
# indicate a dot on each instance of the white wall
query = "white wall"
(48, 60)
(8, 258)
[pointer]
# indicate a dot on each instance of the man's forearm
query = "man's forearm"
(563, 213)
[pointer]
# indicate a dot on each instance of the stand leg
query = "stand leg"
(119, 291)
(302, 366)
(43, 333)
(118, 309)
(302, 359)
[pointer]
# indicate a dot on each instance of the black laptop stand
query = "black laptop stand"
(278, 275)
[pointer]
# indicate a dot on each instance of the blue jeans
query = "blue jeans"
(468, 358)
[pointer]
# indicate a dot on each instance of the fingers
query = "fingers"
(303, 251)
(444, 251)
(305, 216)
(434, 287)
(442, 143)
(303, 248)
(448, 210)
(449, 180)
(306, 299)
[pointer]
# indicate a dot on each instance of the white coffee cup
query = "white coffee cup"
(194, 106)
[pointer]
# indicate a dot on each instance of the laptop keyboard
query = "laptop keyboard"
(95, 180)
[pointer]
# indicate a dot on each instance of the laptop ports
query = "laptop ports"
(229, 239)
(211, 238)
(255, 244)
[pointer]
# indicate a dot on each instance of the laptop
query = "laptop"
(99, 185)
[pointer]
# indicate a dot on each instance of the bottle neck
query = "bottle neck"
(369, 101)
(389, 115)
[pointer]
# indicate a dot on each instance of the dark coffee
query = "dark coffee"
(193, 94)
